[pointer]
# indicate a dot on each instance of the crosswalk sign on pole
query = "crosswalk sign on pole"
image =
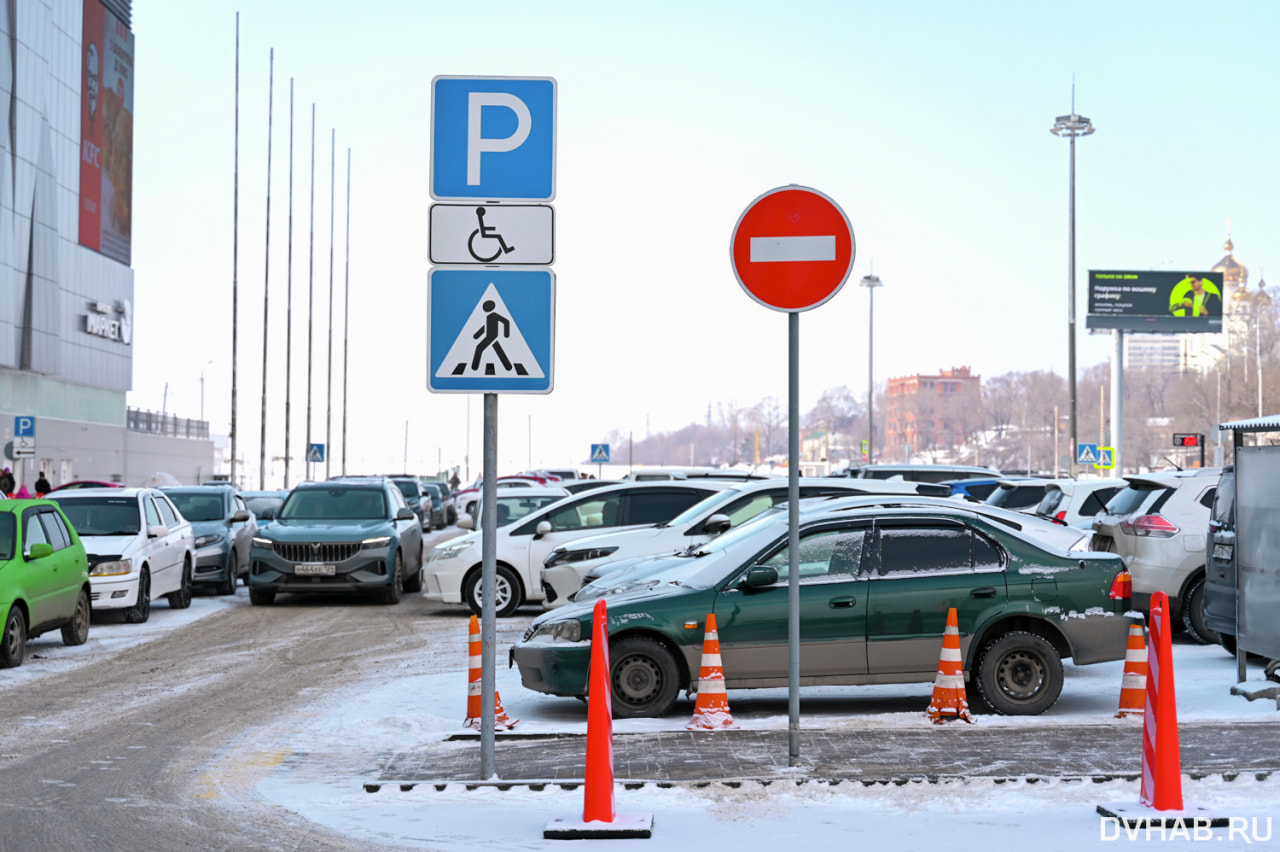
(1087, 454)
(600, 453)
(315, 453)
(1106, 458)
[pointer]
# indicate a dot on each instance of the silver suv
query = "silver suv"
(1157, 525)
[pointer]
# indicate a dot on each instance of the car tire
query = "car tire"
(414, 584)
(1020, 674)
(228, 584)
(395, 590)
(261, 597)
(181, 599)
(76, 631)
(141, 610)
(1193, 615)
(509, 596)
(13, 642)
(643, 676)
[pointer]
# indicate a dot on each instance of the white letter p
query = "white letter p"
(477, 144)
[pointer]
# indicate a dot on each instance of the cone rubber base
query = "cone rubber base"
(623, 825)
(1140, 816)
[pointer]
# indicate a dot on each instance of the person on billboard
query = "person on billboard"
(1195, 297)
(91, 81)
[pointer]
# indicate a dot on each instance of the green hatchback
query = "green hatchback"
(877, 580)
(44, 577)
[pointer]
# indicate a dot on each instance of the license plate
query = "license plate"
(1222, 551)
(314, 570)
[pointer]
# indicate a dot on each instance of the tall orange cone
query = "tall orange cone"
(1133, 686)
(711, 712)
(501, 721)
(1161, 761)
(948, 686)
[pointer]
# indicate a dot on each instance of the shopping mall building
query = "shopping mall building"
(66, 283)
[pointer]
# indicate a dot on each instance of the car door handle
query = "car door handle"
(841, 603)
(984, 592)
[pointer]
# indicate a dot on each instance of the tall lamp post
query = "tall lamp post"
(871, 282)
(1072, 126)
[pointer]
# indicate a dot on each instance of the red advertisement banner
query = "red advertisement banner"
(106, 133)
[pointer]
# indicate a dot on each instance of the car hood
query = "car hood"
(199, 528)
(311, 530)
(624, 538)
(110, 545)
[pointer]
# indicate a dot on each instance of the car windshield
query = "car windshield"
(334, 503)
(407, 487)
(258, 504)
(103, 515)
(7, 535)
(512, 509)
(1130, 499)
(697, 510)
(197, 507)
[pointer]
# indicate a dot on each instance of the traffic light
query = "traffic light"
(1186, 440)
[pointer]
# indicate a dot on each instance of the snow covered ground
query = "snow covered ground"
(416, 704)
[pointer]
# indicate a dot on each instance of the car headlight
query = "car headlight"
(376, 542)
(206, 540)
(568, 557)
(449, 550)
(114, 568)
(260, 541)
(564, 631)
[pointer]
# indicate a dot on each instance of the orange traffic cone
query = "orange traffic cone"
(948, 686)
(711, 712)
(1161, 760)
(1133, 686)
(501, 721)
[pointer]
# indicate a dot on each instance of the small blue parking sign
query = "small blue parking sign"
(24, 426)
(493, 138)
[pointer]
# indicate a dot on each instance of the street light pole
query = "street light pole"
(871, 282)
(1071, 126)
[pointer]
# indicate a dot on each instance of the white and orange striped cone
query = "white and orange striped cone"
(501, 721)
(948, 686)
(1133, 686)
(711, 711)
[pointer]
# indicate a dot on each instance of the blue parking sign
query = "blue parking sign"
(493, 138)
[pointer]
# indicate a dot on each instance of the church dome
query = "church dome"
(1234, 273)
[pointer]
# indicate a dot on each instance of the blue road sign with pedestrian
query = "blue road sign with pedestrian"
(490, 330)
(493, 138)
(600, 453)
(1087, 454)
(315, 453)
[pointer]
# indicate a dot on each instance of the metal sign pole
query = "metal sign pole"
(793, 537)
(488, 579)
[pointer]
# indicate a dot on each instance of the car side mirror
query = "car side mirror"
(40, 550)
(541, 529)
(240, 517)
(759, 576)
(157, 531)
(466, 522)
(405, 515)
(717, 524)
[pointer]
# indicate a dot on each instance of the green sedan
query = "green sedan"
(876, 582)
(44, 577)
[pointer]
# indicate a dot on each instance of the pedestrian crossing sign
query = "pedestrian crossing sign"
(600, 453)
(490, 330)
(1106, 458)
(315, 453)
(1087, 454)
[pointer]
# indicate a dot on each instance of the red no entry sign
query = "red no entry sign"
(792, 248)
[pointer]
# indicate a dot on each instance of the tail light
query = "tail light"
(1122, 586)
(1154, 526)
(1061, 517)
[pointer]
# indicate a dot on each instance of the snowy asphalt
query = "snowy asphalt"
(874, 755)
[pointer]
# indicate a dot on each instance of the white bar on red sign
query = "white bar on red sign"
(791, 249)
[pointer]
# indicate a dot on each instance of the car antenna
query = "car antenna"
(1176, 466)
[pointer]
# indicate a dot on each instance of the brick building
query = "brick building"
(925, 413)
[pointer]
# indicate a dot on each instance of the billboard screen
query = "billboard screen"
(1151, 301)
(106, 133)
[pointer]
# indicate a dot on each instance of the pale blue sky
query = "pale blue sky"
(928, 122)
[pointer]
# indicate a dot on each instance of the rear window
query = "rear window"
(1131, 499)
(1053, 498)
(1016, 496)
(1224, 501)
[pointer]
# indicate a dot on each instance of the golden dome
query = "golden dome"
(1233, 272)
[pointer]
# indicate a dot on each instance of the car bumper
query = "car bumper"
(562, 581)
(555, 668)
(212, 564)
(1096, 636)
(442, 580)
(367, 571)
(117, 592)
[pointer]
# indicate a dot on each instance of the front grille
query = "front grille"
(317, 551)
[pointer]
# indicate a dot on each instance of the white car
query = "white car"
(453, 568)
(566, 568)
(1075, 502)
(139, 547)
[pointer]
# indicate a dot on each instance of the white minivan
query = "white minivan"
(139, 547)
